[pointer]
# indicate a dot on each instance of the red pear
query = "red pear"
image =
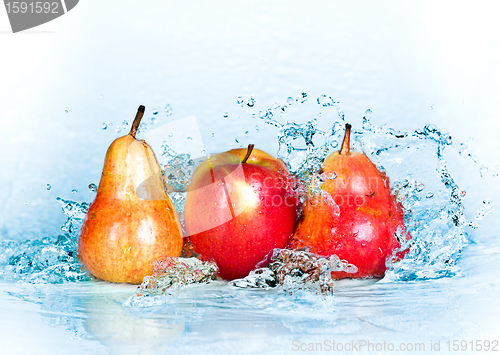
(354, 216)
(240, 205)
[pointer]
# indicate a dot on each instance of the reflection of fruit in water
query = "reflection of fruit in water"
(354, 217)
(131, 222)
(240, 205)
(114, 325)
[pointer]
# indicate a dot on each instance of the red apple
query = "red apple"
(240, 205)
(355, 216)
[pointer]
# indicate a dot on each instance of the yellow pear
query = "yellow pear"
(131, 222)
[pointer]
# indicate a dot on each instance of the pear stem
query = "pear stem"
(345, 149)
(249, 152)
(137, 121)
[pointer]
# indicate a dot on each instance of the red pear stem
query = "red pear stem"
(137, 121)
(345, 149)
(249, 152)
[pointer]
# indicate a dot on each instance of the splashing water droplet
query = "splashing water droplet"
(25, 202)
(366, 120)
(325, 101)
(334, 143)
(104, 125)
(276, 106)
(226, 115)
(485, 210)
(429, 195)
(483, 170)
(49, 187)
(213, 135)
(117, 129)
(154, 111)
(153, 120)
(189, 139)
(257, 128)
(240, 101)
(168, 110)
(170, 135)
(301, 98)
(93, 187)
(289, 100)
(74, 191)
(66, 111)
(237, 140)
(143, 127)
(251, 101)
(246, 133)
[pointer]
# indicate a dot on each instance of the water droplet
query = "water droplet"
(154, 111)
(289, 100)
(240, 101)
(334, 143)
(74, 191)
(251, 101)
(168, 110)
(246, 133)
(125, 125)
(420, 187)
(483, 170)
(153, 120)
(93, 187)
(49, 187)
(266, 114)
(301, 98)
(25, 202)
(226, 115)
(66, 111)
(170, 135)
(276, 106)
(254, 115)
(213, 135)
(203, 152)
(325, 101)
(257, 128)
(104, 125)
(429, 195)
(431, 107)
(366, 119)
(117, 129)
(485, 210)
(189, 139)
(143, 126)
(237, 140)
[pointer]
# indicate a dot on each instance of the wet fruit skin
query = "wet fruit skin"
(236, 213)
(355, 216)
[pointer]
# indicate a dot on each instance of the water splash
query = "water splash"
(414, 161)
(48, 260)
(296, 270)
(169, 276)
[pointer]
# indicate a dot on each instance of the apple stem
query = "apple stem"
(345, 149)
(249, 152)
(137, 121)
